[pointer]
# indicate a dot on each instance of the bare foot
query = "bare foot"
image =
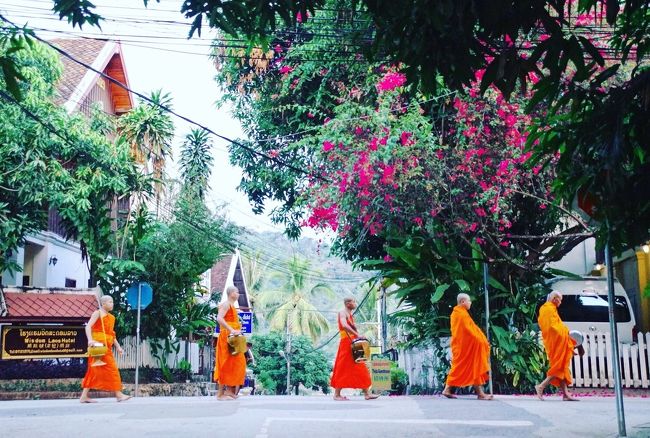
(225, 397)
(372, 396)
(540, 392)
(485, 397)
(567, 397)
(448, 394)
(125, 398)
(87, 400)
(340, 398)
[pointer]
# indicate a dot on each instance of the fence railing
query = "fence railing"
(128, 359)
(594, 368)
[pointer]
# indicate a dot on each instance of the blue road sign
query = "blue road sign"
(246, 319)
(146, 295)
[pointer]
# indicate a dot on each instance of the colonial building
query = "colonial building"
(48, 260)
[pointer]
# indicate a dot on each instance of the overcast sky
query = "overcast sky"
(157, 55)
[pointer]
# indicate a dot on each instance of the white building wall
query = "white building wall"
(69, 264)
(580, 260)
(15, 279)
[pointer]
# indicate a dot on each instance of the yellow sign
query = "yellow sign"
(42, 342)
(380, 372)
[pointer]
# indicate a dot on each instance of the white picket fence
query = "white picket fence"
(594, 369)
(128, 359)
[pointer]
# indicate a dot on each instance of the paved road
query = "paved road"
(316, 417)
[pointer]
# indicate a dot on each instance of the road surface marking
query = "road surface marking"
(489, 423)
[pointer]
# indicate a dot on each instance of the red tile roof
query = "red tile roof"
(49, 305)
(83, 49)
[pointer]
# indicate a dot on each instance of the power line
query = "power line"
(148, 99)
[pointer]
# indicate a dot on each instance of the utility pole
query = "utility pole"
(487, 313)
(287, 356)
(384, 323)
(613, 329)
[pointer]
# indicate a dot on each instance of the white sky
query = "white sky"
(189, 77)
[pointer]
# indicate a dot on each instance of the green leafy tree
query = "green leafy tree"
(196, 162)
(149, 130)
(50, 159)
(290, 305)
(174, 256)
(309, 367)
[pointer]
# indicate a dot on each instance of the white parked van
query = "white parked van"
(585, 307)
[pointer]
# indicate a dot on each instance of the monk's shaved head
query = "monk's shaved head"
(347, 300)
(554, 294)
(105, 298)
(462, 297)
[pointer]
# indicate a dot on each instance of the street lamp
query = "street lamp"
(53, 261)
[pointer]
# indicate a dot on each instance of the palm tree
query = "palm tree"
(149, 129)
(196, 162)
(290, 306)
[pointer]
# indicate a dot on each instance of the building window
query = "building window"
(26, 280)
(70, 282)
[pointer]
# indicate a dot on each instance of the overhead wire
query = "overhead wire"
(148, 99)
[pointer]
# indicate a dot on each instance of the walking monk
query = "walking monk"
(99, 330)
(470, 352)
(558, 345)
(229, 370)
(348, 373)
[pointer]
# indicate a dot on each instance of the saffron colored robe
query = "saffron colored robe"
(470, 351)
(347, 373)
(557, 343)
(103, 377)
(229, 370)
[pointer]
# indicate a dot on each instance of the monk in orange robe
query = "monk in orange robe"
(558, 345)
(99, 330)
(470, 352)
(229, 369)
(348, 373)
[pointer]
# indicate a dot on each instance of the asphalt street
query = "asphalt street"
(315, 417)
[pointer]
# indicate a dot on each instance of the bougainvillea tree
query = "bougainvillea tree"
(420, 188)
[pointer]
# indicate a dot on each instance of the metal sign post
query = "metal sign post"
(137, 343)
(613, 329)
(139, 296)
(487, 315)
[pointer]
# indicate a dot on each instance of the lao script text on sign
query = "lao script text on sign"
(43, 342)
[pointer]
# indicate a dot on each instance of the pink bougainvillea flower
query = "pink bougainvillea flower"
(310, 115)
(388, 258)
(286, 69)
(390, 81)
(358, 130)
(388, 174)
(373, 144)
(418, 221)
(328, 146)
(273, 153)
(405, 138)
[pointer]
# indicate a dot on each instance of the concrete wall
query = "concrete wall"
(580, 260)
(36, 261)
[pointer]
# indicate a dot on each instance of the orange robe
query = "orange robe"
(470, 351)
(348, 373)
(557, 343)
(103, 377)
(229, 370)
